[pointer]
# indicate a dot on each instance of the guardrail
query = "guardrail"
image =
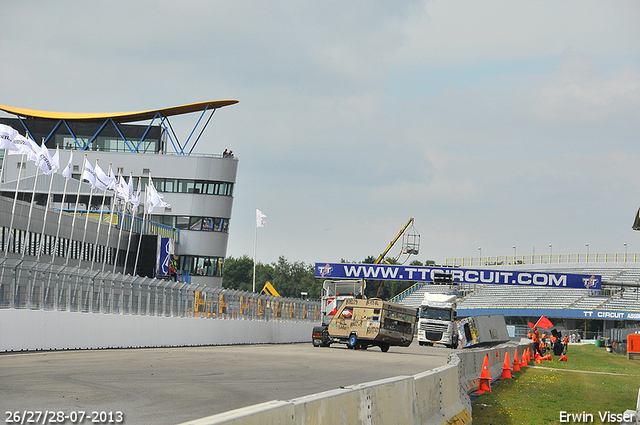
(542, 259)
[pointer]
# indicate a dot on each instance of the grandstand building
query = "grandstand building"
(138, 145)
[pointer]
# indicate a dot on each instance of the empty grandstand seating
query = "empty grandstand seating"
(611, 297)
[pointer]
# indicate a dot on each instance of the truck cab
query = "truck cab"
(334, 293)
(437, 320)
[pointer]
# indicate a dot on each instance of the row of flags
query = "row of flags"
(125, 196)
(17, 144)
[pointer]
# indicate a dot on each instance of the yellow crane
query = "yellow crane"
(411, 243)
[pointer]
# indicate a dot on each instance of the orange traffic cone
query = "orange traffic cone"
(516, 361)
(506, 368)
(563, 358)
(528, 354)
(523, 360)
(547, 357)
(538, 360)
(485, 379)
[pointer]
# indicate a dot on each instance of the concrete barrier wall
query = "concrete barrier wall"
(59, 330)
(438, 396)
(431, 397)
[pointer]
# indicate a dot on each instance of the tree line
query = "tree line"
(293, 278)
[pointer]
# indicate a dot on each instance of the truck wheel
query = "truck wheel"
(384, 348)
(353, 341)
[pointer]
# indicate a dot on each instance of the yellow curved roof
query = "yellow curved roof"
(120, 117)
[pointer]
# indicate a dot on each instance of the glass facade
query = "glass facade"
(106, 144)
(201, 265)
(204, 187)
(205, 224)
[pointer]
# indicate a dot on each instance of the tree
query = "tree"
(238, 273)
(289, 279)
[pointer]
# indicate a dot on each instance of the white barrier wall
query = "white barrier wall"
(58, 330)
(438, 396)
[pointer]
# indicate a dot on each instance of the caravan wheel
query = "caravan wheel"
(353, 341)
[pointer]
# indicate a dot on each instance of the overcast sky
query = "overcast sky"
(493, 124)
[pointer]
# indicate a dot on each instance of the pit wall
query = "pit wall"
(434, 397)
(25, 330)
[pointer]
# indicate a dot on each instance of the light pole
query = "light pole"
(550, 252)
(480, 255)
(625, 252)
(587, 252)
(514, 254)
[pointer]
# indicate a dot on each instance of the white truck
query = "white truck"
(437, 320)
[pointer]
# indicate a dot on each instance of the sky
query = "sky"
(494, 124)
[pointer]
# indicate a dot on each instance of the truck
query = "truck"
(334, 292)
(360, 323)
(437, 320)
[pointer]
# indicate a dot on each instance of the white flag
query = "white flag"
(7, 134)
(69, 168)
(89, 174)
(155, 198)
(25, 146)
(135, 202)
(103, 182)
(113, 180)
(46, 163)
(122, 190)
(261, 219)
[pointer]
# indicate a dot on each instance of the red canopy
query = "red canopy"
(544, 323)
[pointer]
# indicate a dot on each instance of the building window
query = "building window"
(201, 265)
(205, 224)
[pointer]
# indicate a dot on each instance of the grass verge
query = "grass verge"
(538, 394)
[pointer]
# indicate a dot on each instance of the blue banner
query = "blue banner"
(458, 275)
(550, 312)
(165, 254)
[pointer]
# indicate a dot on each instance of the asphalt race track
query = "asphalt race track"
(173, 385)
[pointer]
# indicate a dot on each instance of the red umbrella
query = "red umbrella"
(544, 323)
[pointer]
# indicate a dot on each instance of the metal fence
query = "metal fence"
(542, 259)
(38, 286)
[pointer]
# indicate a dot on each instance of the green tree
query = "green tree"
(238, 273)
(289, 279)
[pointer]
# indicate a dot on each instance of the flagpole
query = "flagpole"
(113, 206)
(13, 209)
(33, 197)
(255, 244)
(143, 228)
(75, 210)
(44, 220)
(86, 222)
(95, 250)
(121, 223)
(64, 194)
(130, 232)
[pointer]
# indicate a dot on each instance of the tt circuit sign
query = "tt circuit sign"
(458, 275)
